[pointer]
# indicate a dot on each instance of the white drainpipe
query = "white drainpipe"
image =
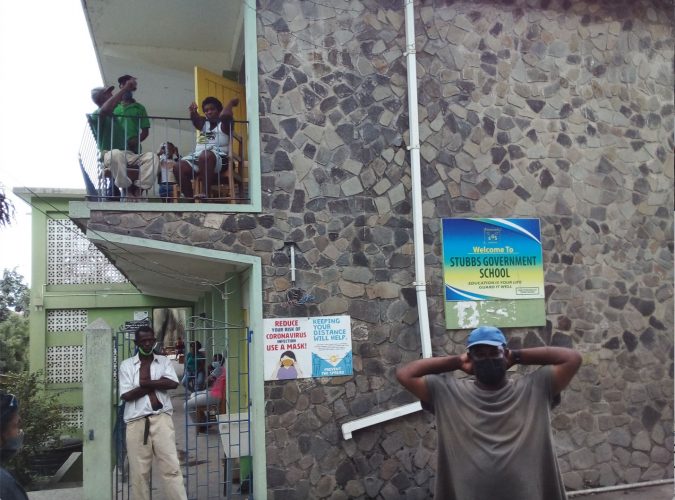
(418, 238)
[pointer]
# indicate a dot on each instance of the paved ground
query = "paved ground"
(661, 492)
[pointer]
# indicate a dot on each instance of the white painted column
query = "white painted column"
(98, 411)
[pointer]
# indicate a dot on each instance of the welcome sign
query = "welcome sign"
(492, 259)
(493, 272)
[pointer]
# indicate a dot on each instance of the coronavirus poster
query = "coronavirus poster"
(307, 347)
(493, 272)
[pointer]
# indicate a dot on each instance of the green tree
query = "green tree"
(14, 344)
(14, 300)
(14, 294)
(6, 208)
(41, 419)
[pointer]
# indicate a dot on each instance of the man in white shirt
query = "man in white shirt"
(144, 381)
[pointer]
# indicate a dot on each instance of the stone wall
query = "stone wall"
(557, 110)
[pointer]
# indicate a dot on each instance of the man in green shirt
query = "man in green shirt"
(132, 115)
(111, 138)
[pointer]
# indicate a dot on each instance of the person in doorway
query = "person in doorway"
(213, 143)
(217, 367)
(199, 401)
(194, 376)
(494, 433)
(112, 143)
(180, 346)
(11, 440)
(144, 382)
(200, 379)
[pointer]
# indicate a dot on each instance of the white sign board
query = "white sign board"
(307, 347)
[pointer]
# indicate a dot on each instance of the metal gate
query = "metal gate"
(213, 435)
(123, 348)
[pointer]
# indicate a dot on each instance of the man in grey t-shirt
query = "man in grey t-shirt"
(494, 433)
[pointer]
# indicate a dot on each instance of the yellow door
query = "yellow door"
(209, 84)
(213, 85)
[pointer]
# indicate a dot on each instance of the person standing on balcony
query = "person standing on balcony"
(132, 115)
(494, 434)
(110, 137)
(145, 380)
(213, 142)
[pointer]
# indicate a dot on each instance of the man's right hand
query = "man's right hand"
(129, 85)
(411, 375)
(467, 365)
(193, 107)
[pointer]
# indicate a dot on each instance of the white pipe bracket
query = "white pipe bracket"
(354, 425)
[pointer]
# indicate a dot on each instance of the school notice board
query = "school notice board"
(493, 272)
(307, 347)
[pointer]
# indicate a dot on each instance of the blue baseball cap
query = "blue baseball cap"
(489, 335)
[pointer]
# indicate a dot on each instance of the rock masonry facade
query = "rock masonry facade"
(561, 110)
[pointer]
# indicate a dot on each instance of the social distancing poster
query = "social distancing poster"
(307, 347)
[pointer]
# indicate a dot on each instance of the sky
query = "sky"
(47, 70)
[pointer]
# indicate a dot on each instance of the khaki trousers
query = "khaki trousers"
(118, 160)
(162, 444)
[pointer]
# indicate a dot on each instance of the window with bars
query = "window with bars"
(65, 364)
(66, 320)
(73, 260)
(73, 417)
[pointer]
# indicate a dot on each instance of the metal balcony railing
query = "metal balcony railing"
(165, 168)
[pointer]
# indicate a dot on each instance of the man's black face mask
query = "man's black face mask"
(490, 371)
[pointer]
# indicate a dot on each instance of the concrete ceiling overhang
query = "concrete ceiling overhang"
(167, 270)
(161, 41)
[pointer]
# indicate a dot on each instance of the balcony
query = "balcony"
(168, 169)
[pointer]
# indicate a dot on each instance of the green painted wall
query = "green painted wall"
(225, 308)
(115, 303)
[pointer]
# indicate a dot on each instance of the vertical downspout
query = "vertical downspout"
(418, 237)
(418, 233)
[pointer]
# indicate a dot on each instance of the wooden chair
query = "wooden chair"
(230, 183)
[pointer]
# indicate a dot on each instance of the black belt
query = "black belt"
(146, 430)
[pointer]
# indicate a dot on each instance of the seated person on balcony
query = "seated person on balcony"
(214, 140)
(110, 138)
(169, 163)
(133, 119)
